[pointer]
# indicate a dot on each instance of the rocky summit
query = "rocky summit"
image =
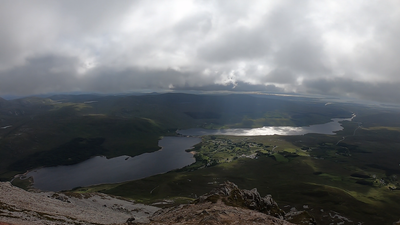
(226, 204)
(230, 194)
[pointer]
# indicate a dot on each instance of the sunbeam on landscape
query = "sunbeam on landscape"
(189, 112)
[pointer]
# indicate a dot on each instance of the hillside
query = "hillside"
(36, 129)
(348, 177)
(224, 205)
(26, 208)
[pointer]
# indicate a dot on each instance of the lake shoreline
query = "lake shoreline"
(100, 170)
(326, 128)
(39, 181)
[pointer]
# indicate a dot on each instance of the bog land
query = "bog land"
(349, 177)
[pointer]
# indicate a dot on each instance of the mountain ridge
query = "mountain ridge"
(19, 207)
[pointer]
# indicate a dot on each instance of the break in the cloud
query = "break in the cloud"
(332, 47)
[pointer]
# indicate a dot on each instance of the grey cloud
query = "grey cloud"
(233, 10)
(373, 55)
(302, 56)
(201, 44)
(297, 40)
(200, 22)
(281, 76)
(110, 80)
(345, 87)
(238, 87)
(239, 43)
(53, 27)
(40, 74)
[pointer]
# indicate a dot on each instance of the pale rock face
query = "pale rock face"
(212, 214)
(231, 195)
(20, 207)
(224, 205)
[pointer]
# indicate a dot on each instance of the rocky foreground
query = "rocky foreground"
(224, 205)
(20, 207)
(230, 205)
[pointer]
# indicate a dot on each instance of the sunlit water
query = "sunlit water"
(327, 128)
(100, 170)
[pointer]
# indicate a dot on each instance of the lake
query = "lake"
(100, 170)
(326, 128)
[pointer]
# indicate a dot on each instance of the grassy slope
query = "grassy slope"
(43, 134)
(132, 125)
(345, 178)
(291, 183)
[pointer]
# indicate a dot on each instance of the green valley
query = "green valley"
(353, 173)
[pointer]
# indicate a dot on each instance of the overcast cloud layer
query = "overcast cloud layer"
(338, 47)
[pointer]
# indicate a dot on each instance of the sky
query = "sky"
(329, 47)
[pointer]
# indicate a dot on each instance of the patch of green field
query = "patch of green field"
(215, 150)
(75, 106)
(132, 125)
(299, 186)
(273, 118)
(280, 158)
(331, 177)
(290, 150)
(356, 177)
(397, 129)
(318, 170)
(23, 183)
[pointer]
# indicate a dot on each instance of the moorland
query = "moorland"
(349, 177)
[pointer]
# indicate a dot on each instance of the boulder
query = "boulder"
(231, 195)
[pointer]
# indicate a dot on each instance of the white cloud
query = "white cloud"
(128, 45)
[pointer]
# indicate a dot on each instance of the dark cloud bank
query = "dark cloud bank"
(310, 47)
